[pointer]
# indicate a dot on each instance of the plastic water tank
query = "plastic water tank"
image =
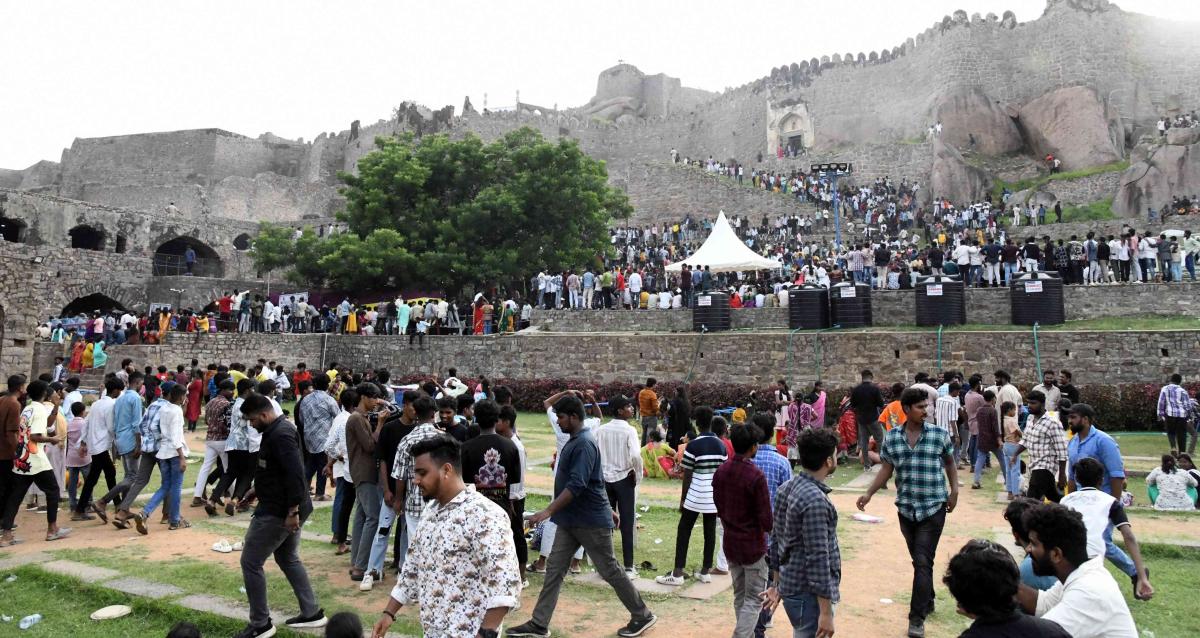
(941, 300)
(711, 312)
(1037, 297)
(850, 305)
(808, 307)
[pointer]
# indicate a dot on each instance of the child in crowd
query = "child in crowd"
(78, 459)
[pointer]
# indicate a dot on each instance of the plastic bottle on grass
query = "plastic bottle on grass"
(30, 621)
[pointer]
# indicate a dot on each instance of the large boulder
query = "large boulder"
(969, 112)
(1074, 125)
(1183, 136)
(955, 179)
(1167, 171)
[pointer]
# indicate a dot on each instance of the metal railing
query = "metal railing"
(166, 265)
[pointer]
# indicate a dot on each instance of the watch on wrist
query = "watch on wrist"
(488, 633)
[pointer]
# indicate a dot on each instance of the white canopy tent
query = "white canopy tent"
(724, 252)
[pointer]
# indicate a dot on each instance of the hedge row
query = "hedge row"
(1128, 407)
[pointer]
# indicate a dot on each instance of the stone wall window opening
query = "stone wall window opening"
(88, 304)
(791, 134)
(243, 242)
(171, 259)
(122, 244)
(86, 237)
(13, 231)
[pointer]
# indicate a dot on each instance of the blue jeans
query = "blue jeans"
(382, 538)
(981, 459)
(339, 495)
(1012, 471)
(1116, 555)
(803, 611)
(1175, 274)
(170, 490)
(1189, 262)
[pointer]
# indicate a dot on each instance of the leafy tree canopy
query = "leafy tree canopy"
(450, 214)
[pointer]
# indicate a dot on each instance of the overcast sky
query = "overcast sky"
(297, 68)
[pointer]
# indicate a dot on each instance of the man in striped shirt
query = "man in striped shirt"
(946, 415)
(701, 458)
(1174, 408)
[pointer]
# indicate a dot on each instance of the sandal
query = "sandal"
(62, 532)
(342, 549)
(532, 568)
(180, 524)
(139, 521)
(101, 511)
(9, 542)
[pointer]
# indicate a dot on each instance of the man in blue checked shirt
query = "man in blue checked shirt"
(803, 550)
(921, 455)
(146, 461)
(127, 440)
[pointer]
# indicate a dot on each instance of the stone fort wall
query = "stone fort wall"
(1094, 357)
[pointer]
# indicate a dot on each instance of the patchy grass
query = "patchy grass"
(66, 604)
(1093, 212)
(1042, 180)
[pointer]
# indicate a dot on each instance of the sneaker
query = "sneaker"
(702, 577)
(669, 579)
(916, 629)
(630, 573)
(637, 627)
(256, 632)
(368, 582)
(976, 486)
(527, 630)
(314, 621)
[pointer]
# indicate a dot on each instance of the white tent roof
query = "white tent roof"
(724, 252)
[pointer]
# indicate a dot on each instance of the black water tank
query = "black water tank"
(711, 312)
(808, 307)
(941, 300)
(1037, 297)
(850, 305)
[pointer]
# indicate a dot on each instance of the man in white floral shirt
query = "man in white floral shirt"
(463, 543)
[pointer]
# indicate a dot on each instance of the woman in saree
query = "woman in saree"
(88, 355)
(99, 356)
(352, 323)
(76, 364)
(477, 317)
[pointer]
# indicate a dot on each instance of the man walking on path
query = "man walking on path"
(621, 461)
(648, 408)
(216, 420)
(283, 506)
(482, 573)
(804, 553)
(127, 441)
(97, 443)
(1047, 448)
(866, 400)
(584, 518)
(1174, 408)
(147, 460)
(744, 506)
(921, 456)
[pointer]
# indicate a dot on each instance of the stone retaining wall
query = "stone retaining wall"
(898, 308)
(1095, 357)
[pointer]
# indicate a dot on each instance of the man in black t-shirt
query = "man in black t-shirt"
(866, 400)
(490, 461)
(447, 410)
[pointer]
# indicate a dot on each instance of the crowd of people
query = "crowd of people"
(437, 468)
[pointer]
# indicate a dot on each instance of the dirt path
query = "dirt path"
(875, 566)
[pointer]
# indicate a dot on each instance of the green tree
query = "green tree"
(272, 247)
(450, 214)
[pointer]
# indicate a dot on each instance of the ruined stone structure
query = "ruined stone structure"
(1085, 81)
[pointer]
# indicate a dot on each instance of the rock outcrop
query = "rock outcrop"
(952, 177)
(1074, 125)
(1171, 169)
(968, 113)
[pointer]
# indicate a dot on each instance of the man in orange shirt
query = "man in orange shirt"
(893, 414)
(648, 407)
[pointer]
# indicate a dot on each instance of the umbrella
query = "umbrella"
(1174, 232)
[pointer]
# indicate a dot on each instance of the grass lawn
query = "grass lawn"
(66, 604)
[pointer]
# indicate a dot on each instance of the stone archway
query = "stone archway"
(171, 258)
(87, 237)
(88, 304)
(1, 336)
(790, 129)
